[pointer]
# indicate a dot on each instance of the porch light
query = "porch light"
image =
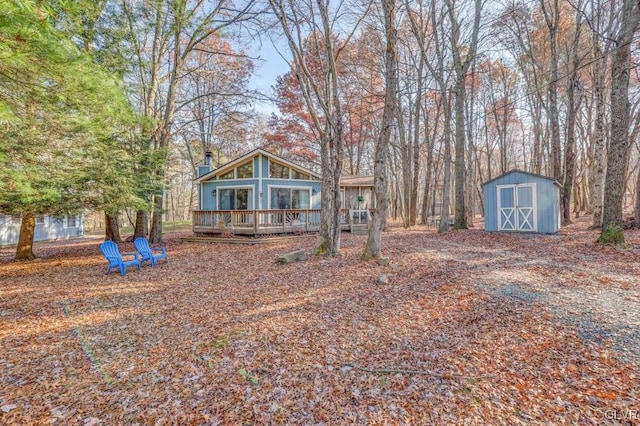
(314, 191)
(213, 192)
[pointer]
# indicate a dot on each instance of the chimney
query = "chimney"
(206, 167)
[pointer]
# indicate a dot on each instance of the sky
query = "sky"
(268, 68)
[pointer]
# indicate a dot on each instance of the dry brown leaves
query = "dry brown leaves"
(223, 335)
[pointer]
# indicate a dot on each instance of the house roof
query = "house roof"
(555, 181)
(365, 180)
(251, 154)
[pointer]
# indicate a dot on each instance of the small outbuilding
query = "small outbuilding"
(522, 202)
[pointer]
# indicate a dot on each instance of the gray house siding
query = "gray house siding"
(48, 228)
(547, 200)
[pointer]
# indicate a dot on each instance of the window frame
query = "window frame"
(271, 162)
(250, 199)
(237, 170)
(308, 189)
(76, 222)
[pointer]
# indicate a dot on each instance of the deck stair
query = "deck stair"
(359, 221)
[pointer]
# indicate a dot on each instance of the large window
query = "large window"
(297, 175)
(236, 199)
(277, 170)
(245, 171)
(290, 198)
(228, 175)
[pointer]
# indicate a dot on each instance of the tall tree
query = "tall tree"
(551, 14)
(617, 162)
(374, 241)
(164, 35)
(600, 19)
(461, 65)
(574, 99)
(58, 131)
(307, 27)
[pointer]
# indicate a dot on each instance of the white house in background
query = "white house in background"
(48, 228)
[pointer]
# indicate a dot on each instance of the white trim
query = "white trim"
(308, 188)
(259, 194)
(251, 154)
(513, 214)
(282, 164)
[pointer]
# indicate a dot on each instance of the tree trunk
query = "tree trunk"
(446, 189)
(618, 149)
(374, 241)
(636, 216)
(155, 235)
(24, 251)
(600, 142)
(111, 227)
(574, 101)
(413, 208)
(460, 221)
(461, 68)
(142, 224)
(552, 20)
(405, 142)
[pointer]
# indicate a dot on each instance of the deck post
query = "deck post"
(256, 218)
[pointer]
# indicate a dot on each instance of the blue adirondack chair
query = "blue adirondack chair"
(152, 254)
(112, 254)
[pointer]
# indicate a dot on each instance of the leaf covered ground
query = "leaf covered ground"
(473, 328)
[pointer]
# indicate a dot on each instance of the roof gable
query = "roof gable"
(555, 181)
(250, 155)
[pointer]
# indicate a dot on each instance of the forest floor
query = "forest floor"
(472, 328)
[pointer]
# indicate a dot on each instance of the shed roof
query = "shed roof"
(555, 181)
(364, 180)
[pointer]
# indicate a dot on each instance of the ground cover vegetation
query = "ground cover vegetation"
(472, 328)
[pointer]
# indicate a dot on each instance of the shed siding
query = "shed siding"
(547, 205)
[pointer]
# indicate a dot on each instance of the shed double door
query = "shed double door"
(517, 207)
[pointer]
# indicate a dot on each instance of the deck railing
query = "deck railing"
(254, 222)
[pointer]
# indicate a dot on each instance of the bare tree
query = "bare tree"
(461, 65)
(552, 19)
(312, 22)
(374, 241)
(617, 163)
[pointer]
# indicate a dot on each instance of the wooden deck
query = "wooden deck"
(265, 222)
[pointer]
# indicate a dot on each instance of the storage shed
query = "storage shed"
(522, 202)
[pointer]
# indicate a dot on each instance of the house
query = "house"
(522, 202)
(263, 193)
(48, 228)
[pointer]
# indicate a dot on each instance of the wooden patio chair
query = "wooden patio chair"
(152, 254)
(112, 254)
